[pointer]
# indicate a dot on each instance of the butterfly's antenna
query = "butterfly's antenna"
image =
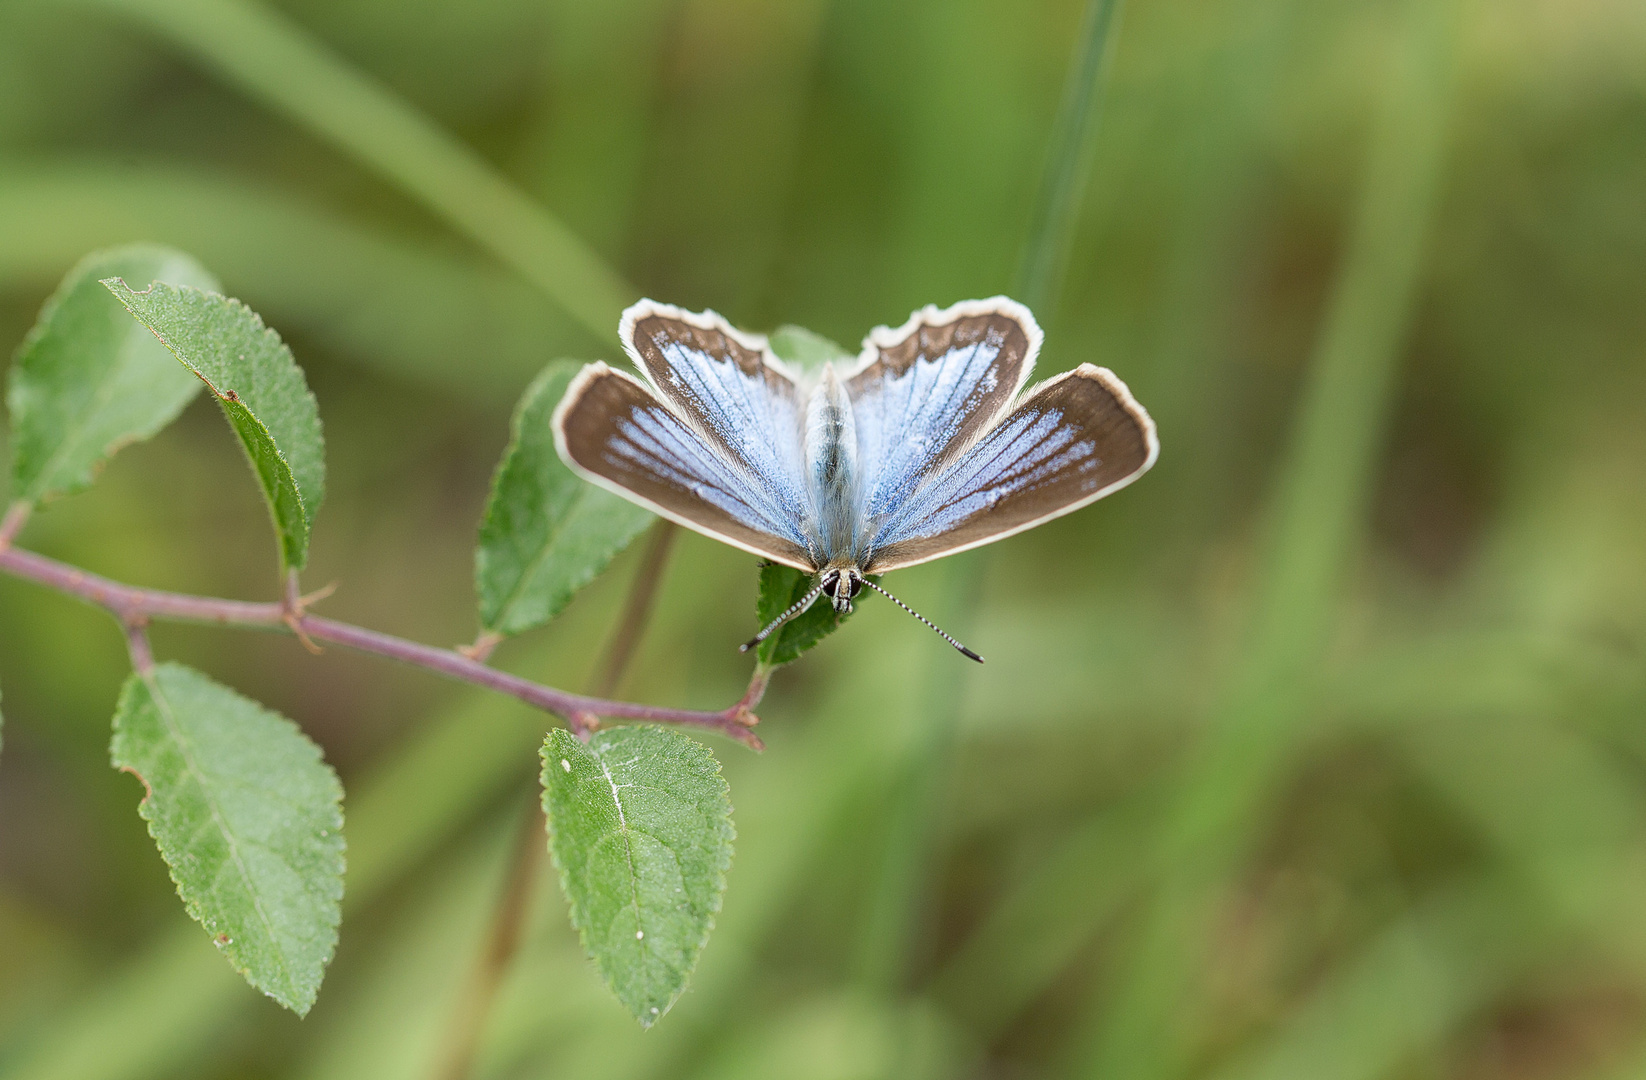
(963, 650)
(799, 605)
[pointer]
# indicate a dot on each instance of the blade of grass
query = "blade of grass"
(1190, 331)
(276, 61)
(886, 940)
(1046, 918)
(1319, 505)
(375, 296)
(1068, 165)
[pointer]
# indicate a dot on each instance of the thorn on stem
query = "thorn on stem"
(293, 606)
(294, 623)
(303, 602)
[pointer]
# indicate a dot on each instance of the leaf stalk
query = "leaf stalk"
(137, 643)
(12, 524)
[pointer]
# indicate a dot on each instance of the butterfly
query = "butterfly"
(924, 447)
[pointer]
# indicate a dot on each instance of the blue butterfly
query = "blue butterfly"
(922, 448)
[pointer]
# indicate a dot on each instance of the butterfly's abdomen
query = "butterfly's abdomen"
(831, 461)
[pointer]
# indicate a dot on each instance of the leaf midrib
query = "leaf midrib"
(628, 840)
(162, 705)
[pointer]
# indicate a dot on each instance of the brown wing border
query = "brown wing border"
(707, 319)
(882, 338)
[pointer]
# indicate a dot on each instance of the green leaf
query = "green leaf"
(640, 827)
(249, 819)
(261, 390)
(780, 588)
(87, 380)
(547, 532)
(799, 346)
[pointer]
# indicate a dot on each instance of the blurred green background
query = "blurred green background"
(1320, 753)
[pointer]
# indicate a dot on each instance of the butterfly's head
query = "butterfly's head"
(840, 585)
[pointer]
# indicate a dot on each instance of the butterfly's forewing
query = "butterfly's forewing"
(614, 431)
(728, 386)
(929, 389)
(1074, 439)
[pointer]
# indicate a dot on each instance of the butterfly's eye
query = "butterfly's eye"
(830, 582)
(854, 585)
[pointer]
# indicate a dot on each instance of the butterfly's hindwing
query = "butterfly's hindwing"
(614, 431)
(1071, 441)
(925, 392)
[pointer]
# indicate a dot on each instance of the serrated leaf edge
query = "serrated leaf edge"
(290, 560)
(193, 907)
(727, 830)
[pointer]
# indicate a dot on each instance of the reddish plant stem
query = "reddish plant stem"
(135, 606)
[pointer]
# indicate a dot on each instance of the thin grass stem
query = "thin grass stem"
(1315, 524)
(889, 937)
(276, 61)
